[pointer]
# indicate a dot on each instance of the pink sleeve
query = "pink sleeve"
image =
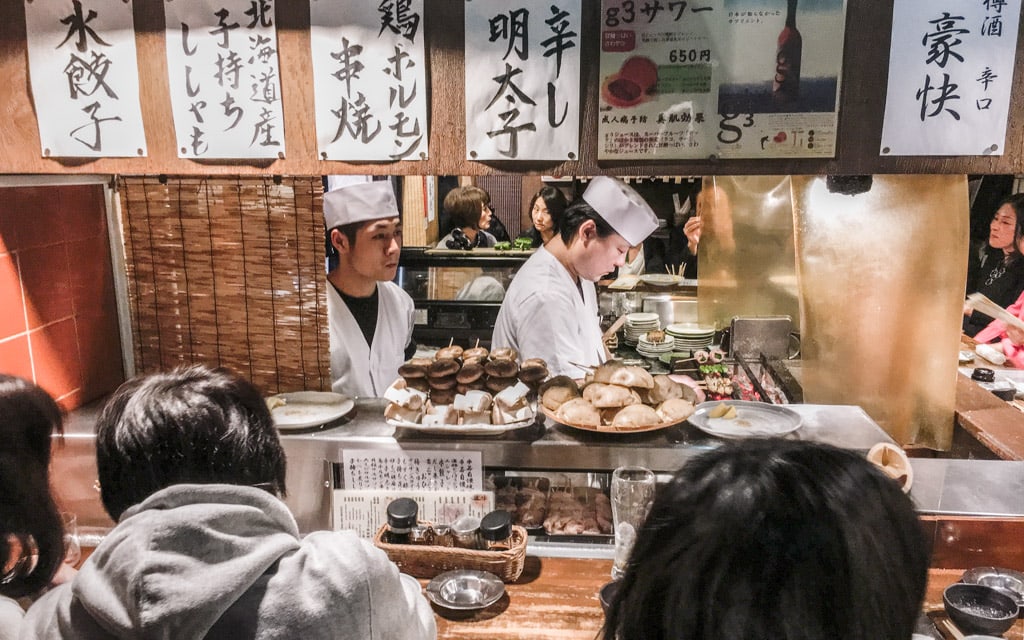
(995, 329)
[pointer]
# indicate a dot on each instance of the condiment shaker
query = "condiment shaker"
(402, 514)
(496, 530)
(465, 532)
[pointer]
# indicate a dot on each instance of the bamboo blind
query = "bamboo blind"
(228, 271)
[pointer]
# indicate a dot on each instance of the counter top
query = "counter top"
(556, 598)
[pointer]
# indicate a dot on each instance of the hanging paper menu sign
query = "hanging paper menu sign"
(225, 84)
(85, 80)
(719, 78)
(950, 74)
(522, 79)
(369, 77)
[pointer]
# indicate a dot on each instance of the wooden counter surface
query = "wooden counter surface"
(556, 598)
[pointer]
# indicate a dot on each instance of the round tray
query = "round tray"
(753, 419)
(463, 429)
(610, 429)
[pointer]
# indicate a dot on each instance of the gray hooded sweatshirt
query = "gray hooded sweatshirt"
(225, 561)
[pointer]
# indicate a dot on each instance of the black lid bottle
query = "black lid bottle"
(496, 530)
(402, 514)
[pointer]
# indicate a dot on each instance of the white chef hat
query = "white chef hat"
(621, 207)
(360, 202)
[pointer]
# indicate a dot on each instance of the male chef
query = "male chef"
(550, 309)
(370, 317)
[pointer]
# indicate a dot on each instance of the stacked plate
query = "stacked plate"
(690, 336)
(638, 324)
(650, 349)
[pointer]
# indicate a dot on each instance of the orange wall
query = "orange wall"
(58, 314)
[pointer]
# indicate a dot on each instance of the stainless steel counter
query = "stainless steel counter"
(941, 486)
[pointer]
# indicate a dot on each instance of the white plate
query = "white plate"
(302, 409)
(660, 279)
(465, 589)
(753, 419)
(641, 318)
(463, 429)
(690, 330)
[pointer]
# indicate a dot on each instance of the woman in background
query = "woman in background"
(469, 213)
(31, 539)
(546, 210)
(997, 269)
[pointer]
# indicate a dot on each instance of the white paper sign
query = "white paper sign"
(950, 74)
(364, 511)
(223, 72)
(401, 469)
(369, 78)
(522, 79)
(85, 82)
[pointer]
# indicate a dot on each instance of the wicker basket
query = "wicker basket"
(427, 561)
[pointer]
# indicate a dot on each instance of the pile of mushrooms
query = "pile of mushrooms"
(617, 397)
(471, 386)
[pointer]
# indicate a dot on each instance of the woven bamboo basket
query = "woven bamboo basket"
(427, 561)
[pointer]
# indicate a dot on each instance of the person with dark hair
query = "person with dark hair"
(191, 468)
(31, 539)
(470, 215)
(370, 317)
(996, 269)
(550, 309)
(547, 207)
(772, 538)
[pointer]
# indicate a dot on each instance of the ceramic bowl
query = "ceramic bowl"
(978, 609)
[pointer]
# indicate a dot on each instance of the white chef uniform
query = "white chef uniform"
(547, 315)
(358, 368)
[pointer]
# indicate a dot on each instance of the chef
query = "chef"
(370, 317)
(550, 309)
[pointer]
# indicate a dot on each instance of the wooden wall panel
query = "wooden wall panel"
(861, 109)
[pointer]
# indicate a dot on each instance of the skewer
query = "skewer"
(585, 367)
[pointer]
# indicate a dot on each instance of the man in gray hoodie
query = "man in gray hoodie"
(191, 468)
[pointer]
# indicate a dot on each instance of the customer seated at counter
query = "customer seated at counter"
(470, 215)
(190, 467)
(775, 539)
(550, 309)
(996, 269)
(547, 207)
(31, 539)
(370, 318)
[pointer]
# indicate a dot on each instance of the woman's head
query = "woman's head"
(775, 539)
(468, 208)
(29, 519)
(193, 425)
(1006, 230)
(546, 210)
(593, 245)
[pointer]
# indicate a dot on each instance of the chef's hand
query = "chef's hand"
(1015, 335)
(968, 310)
(692, 230)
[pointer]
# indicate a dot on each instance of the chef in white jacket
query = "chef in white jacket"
(550, 309)
(370, 317)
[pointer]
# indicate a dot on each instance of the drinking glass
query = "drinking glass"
(72, 542)
(632, 494)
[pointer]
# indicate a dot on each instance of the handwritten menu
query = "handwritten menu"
(415, 470)
(365, 510)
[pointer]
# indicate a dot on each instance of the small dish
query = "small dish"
(1007, 580)
(978, 609)
(302, 409)
(465, 589)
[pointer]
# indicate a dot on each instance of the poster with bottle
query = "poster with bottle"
(720, 78)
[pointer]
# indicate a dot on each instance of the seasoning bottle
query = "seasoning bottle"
(465, 532)
(496, 530)
(442, 535)
(421, 534)
(402, 514)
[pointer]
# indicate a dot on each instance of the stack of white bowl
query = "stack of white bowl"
(638, 324)
(691, 336)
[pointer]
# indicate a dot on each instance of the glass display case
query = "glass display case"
(457, 294)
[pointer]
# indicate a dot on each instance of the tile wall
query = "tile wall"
(58, 314)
